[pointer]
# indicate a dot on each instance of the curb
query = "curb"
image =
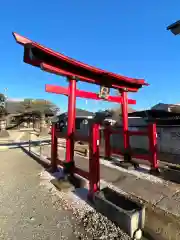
(4, 148)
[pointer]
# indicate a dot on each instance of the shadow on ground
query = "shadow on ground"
(24, 142)
(35, 157)
(167, 172)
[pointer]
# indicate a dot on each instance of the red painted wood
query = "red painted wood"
(83, 94)
(71, 121)
(153, 145)
(124, 107)
(53, 148)
(73, 67)
(94, 164)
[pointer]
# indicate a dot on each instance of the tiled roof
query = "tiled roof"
(13, 107)
(156, 114)
(79, 113)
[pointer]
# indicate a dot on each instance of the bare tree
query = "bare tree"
(40, 106)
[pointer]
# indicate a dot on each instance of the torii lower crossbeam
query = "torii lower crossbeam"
(84, 94)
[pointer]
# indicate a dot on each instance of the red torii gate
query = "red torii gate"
(53, 62)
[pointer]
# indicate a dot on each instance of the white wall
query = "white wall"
(135, 141)
(134, 121)
(168, 140)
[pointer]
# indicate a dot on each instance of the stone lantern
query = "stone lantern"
(43, 127)
(3, 132)
(3, 121)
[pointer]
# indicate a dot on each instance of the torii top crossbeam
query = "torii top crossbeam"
(54, 62)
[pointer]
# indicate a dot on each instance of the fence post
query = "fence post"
(29, 142)
(40, 147)
(69, 160)
(54, 148)
(107, 142)
(153, 147)
(94, 165)
(124, 107)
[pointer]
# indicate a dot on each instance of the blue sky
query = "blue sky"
(127, 37)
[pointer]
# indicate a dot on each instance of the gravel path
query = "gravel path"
(31, 209)
(27, 210)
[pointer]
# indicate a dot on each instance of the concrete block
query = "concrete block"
(171, 173)
(62, 184)
(126, 165)
(126, 213)
(171, 204)
(143, 189)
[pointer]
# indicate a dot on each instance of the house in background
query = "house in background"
(166, 107)
(133, 120)
(83, 119)
(18, 114)
(160, 117)
(161, 114)
(115, 118)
